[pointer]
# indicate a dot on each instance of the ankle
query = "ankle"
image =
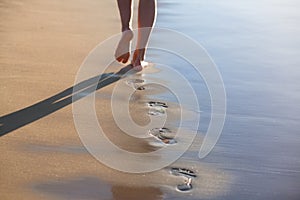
(126, 29)
(139, 54)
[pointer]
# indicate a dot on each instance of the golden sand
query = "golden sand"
(43, 43)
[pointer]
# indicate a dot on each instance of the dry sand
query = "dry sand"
(43, 44)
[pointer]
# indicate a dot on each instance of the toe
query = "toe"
(119, 59)
(138, 68)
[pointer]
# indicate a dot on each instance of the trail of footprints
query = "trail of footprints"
(165, 136)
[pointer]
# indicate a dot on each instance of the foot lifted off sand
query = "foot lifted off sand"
(122, 52)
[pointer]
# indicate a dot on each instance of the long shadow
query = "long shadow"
(20, 118)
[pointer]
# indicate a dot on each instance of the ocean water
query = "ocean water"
(256, 46)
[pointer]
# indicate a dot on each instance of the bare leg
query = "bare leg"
(146, 18)
(122, 52)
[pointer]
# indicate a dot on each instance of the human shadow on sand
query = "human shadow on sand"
(20, 118)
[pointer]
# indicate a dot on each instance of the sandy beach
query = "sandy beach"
(44, 45)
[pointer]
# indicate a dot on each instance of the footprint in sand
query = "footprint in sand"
(157, 104)
(187, 174)
(186, 186)
(141, 88)
(163, 135)
(136, 84)
(183, 172)
(157, 108)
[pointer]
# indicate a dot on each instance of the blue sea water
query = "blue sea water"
(256, 46)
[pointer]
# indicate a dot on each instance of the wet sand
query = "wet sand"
(43, 43)
(254, 44)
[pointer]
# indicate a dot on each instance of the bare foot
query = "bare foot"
(138, 57)
(122, 52)
(137, 66)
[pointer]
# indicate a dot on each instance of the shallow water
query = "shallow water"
(255, 45)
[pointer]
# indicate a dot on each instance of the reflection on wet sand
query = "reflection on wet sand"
(45, 159)
(79, 176)
(187, 178)
(94, 189)
(136, 193)
(76, 188)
